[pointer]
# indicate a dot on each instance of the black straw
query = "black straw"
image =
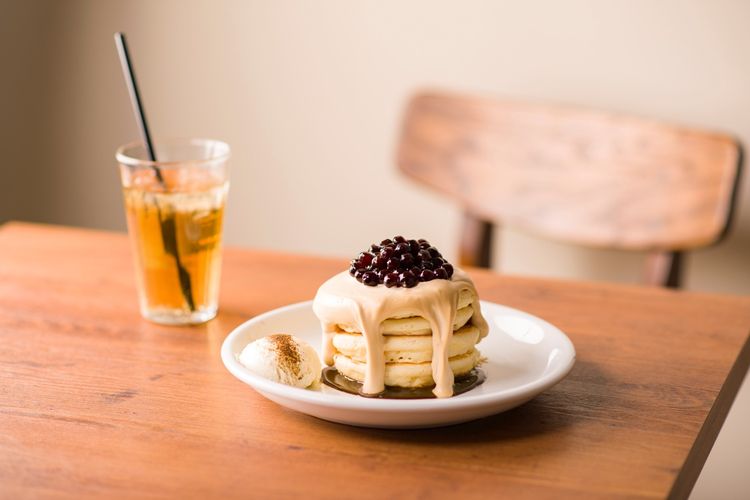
(135, 99)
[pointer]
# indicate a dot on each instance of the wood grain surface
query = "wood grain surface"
(97, 402)
(577, 175)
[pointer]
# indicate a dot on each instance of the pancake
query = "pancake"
(407, 374)
(406, 348)
(417, 325)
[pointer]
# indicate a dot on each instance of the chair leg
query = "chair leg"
(475, 247)
(664, 269)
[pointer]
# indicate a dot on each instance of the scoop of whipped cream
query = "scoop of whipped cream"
(282, 358)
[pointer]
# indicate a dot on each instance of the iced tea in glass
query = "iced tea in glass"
(174, 208)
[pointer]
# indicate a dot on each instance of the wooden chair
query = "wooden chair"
(576, 175)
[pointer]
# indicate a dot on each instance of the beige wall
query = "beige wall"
(309, 96)
(24, 66)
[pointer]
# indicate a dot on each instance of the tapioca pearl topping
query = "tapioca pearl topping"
(398, 262)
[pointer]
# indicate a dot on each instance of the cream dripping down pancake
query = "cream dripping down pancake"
(411, 333)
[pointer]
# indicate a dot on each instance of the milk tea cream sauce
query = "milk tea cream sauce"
(343, 300)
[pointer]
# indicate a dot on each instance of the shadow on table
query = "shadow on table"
(531, 418)
(550, 412)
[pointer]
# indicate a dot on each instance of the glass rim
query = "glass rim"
(127, 159)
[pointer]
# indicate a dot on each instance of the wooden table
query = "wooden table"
(95, 401)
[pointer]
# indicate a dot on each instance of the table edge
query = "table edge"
(709, 431)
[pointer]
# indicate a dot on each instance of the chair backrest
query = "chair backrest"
(577, 175)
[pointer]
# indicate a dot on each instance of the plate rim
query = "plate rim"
(358, 403)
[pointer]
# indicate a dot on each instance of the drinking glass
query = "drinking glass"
(174, 208)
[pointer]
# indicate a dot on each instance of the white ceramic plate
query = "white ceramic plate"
(525, 356)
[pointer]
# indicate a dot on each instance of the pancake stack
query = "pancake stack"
(408, 348)
(401, 316)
